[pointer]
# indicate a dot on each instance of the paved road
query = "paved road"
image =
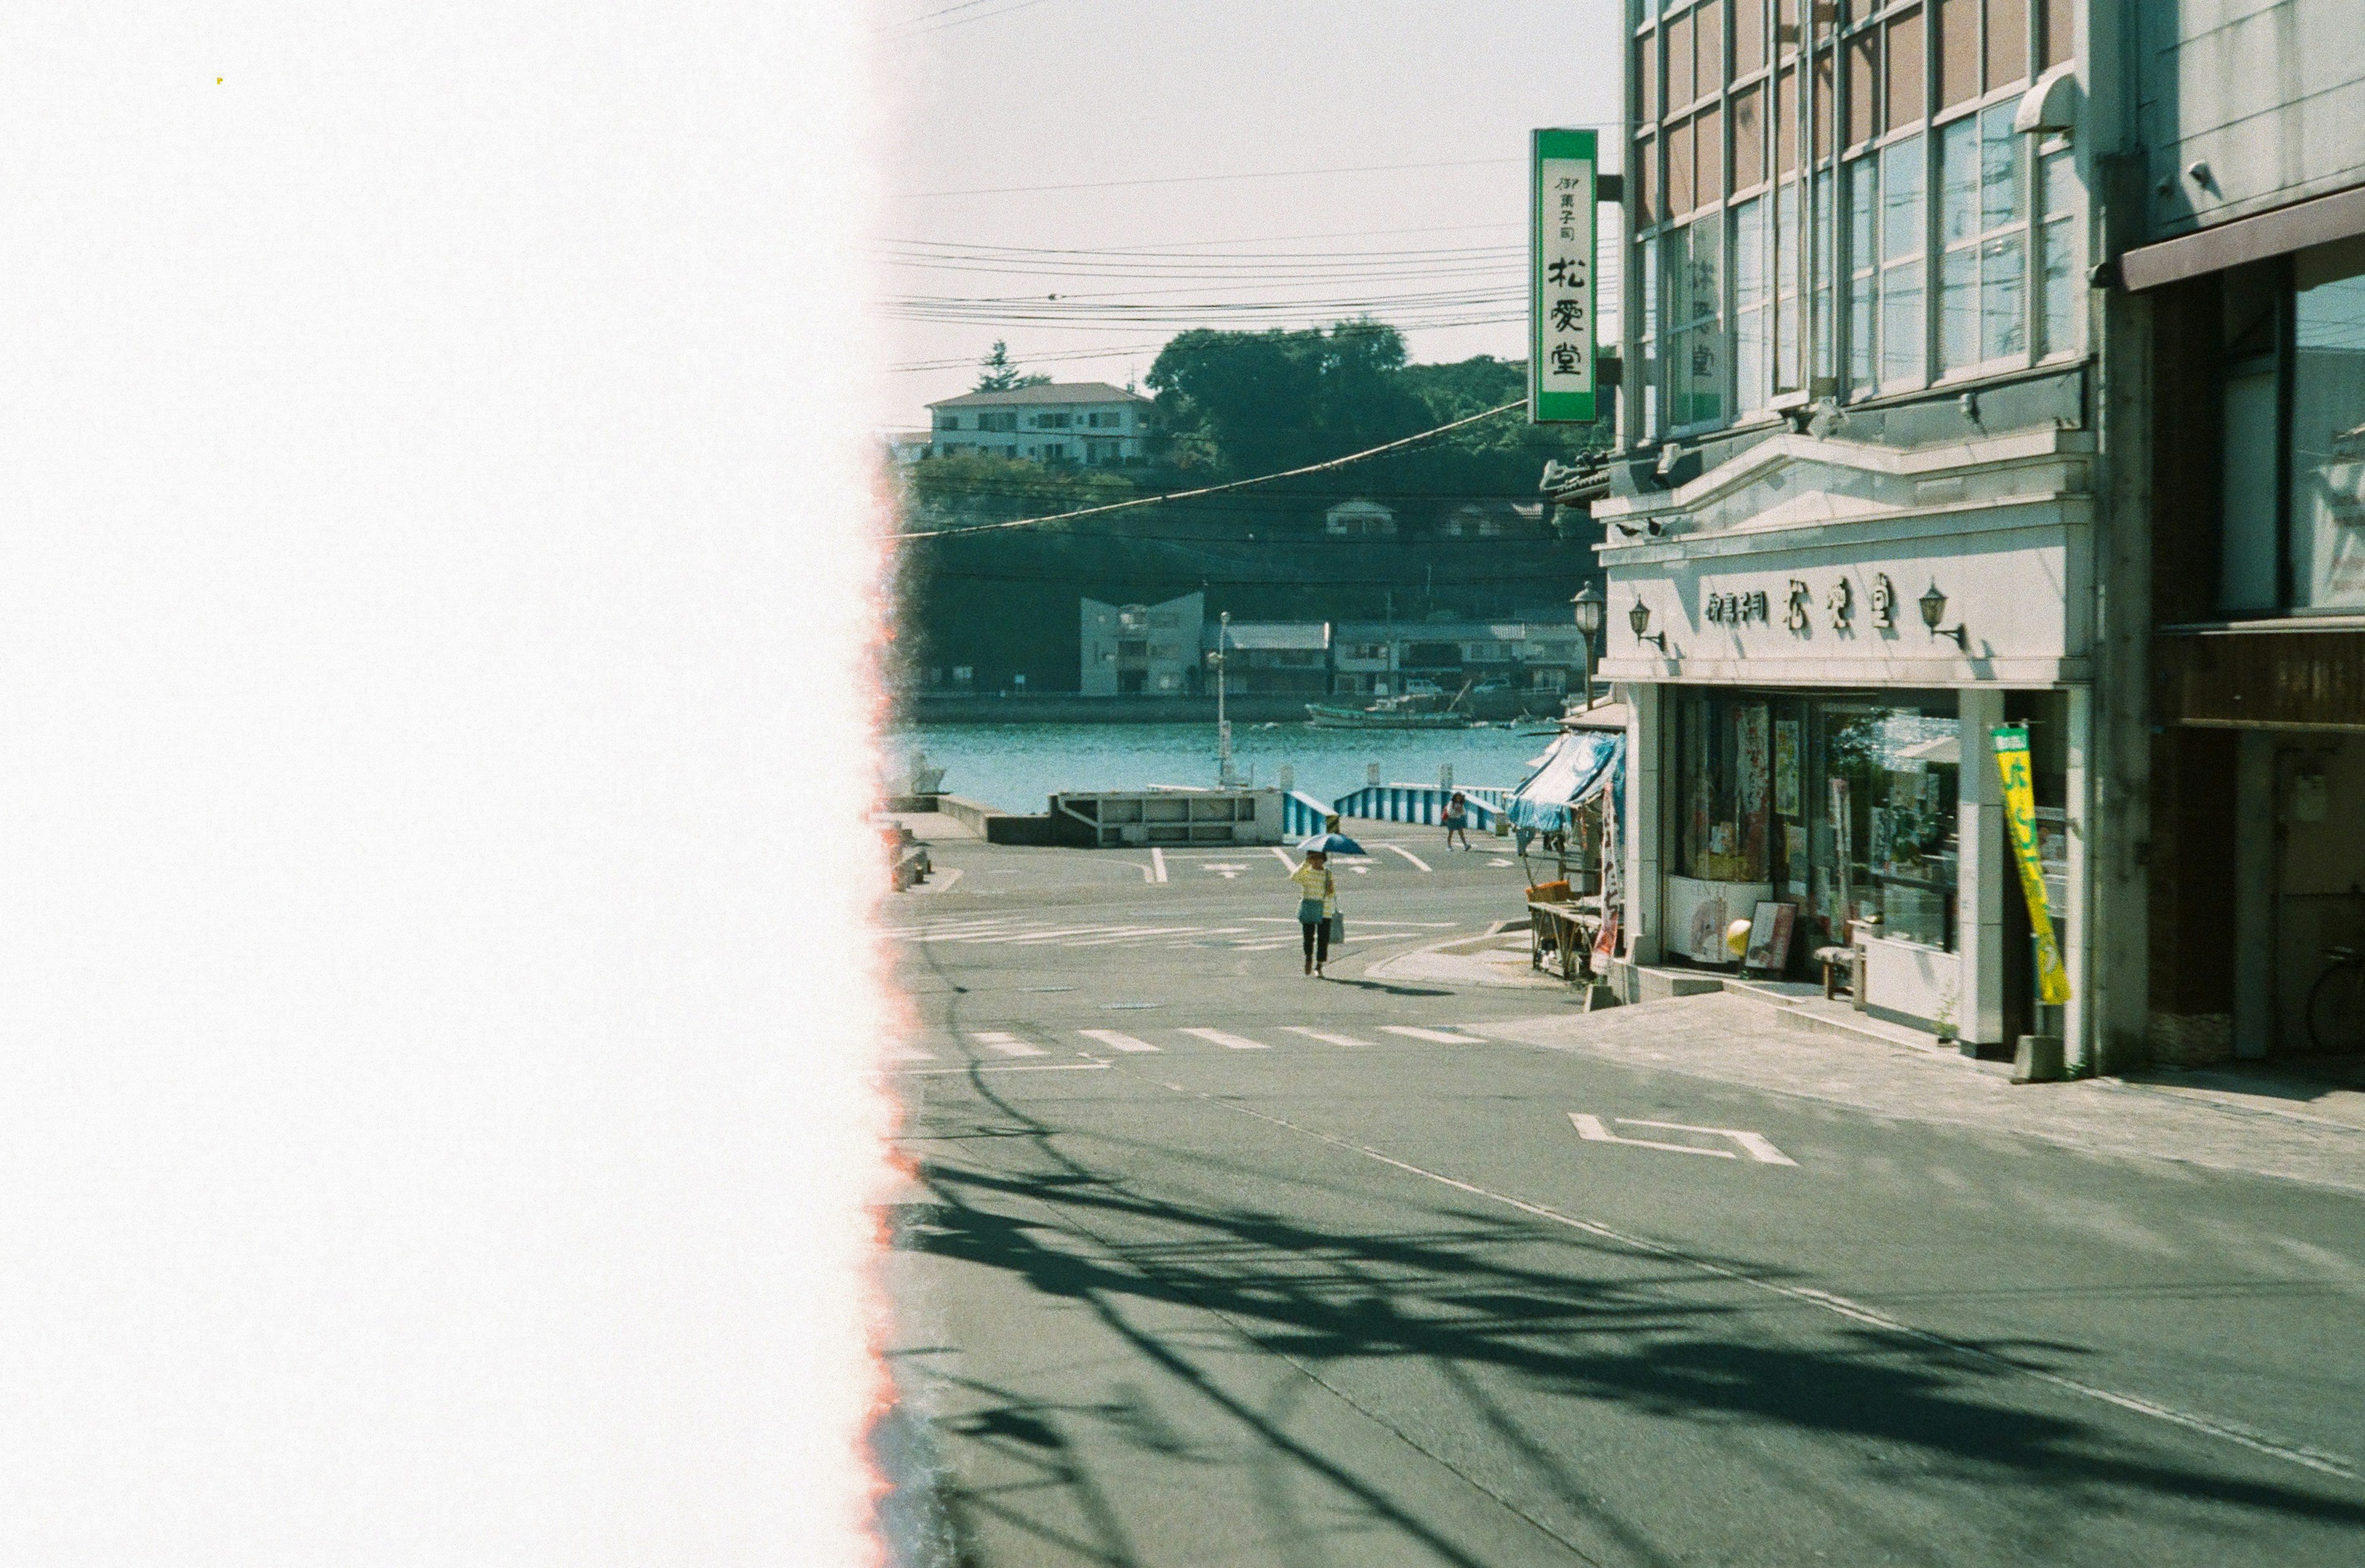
(1208, 1263)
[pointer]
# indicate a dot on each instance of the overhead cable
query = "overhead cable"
(1211, 490)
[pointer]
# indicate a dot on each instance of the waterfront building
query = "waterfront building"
(1088, 423)
(1272, 659)
(1140, 650)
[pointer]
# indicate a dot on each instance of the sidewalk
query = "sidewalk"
(2304, 1124)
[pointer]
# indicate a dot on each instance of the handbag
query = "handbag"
(1338, 928)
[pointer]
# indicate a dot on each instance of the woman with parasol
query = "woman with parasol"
(1317, 904)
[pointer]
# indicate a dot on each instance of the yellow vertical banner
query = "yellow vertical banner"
(2020, 819)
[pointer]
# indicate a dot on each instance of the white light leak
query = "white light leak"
(437, 1125)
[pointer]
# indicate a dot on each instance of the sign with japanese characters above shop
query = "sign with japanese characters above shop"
(1732, 609)
(1561, 285)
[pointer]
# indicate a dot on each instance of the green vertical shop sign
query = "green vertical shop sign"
(2020, 821)
(1561, 294)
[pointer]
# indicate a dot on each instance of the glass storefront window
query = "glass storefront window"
(1843, 806)
(2328, 435)
(1887, 838)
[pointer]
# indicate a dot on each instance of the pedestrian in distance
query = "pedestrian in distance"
(1318, 901)
(1457, 819)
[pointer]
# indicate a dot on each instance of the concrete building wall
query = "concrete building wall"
(2267, 97)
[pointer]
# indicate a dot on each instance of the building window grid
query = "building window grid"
(2025, 241)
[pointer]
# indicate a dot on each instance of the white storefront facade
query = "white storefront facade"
(1799, 733)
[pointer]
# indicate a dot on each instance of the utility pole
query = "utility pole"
(1224, 778)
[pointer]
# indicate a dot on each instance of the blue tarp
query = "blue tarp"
(1580, 765)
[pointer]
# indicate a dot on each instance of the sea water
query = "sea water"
(1018, 766)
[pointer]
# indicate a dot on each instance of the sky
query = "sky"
(987, 102)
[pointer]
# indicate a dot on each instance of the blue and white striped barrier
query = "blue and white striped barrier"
(1423, 803)
(1302, 815)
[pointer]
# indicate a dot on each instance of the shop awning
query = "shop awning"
(1580, 765)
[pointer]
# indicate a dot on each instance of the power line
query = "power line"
(1205, 179)
(1212, 489)
(1191, 244)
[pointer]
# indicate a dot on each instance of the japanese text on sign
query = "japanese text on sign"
(1563, 285)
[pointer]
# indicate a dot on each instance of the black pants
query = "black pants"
(1317, 939)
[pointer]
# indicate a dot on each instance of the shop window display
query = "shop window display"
(1886, 846)
(1846, 807)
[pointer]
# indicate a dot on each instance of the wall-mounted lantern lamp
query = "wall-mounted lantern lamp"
(1639, 617)
(1933, 610)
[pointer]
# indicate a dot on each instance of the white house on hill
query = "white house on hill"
(1086, 422)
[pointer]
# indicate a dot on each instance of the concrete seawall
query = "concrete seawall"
(1067, 707)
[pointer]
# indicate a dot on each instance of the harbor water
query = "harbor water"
(1016, 767)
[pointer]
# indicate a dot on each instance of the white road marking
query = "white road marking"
(1499, 860)
(910, 1053)
(1326, 1037)
(1007, 1044)
(1130, 934)
(1756, 1144)
(1283, 855)
(942, 926)
(1590, 1129)
(1023, 934)
(1439, 1035)
(1158, 864)
(1408, 855)
(1084, 931)
(1224, 868)
(1116, 1041)
(985, 1067)
(1855, 1312)
(1236, 1042)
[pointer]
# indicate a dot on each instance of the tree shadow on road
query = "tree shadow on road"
(1497, 1306)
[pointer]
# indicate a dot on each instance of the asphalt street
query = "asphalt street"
(1205, 1261)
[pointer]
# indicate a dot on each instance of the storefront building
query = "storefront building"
(1855, 529)
(1816, 640)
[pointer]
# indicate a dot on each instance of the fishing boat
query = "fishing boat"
(1409, 712)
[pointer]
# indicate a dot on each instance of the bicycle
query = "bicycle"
(2336, 1003)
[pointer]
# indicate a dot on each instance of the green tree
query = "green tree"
(996, 373)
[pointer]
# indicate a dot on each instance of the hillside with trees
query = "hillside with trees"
(1232, 406)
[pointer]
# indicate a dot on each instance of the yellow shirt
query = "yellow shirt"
(1316, 883)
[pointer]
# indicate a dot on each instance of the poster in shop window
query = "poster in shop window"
(1754, 743)
(1786, 767)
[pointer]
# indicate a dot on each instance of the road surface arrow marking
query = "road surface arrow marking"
(1755, 1145)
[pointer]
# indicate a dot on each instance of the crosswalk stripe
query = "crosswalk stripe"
(1326, 1037)
(1438, 1035)
(1023, 934)
(1128, 935)
(1237, 1042)
(1055, 934)
(1007, 1044)
(1116, 1041)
